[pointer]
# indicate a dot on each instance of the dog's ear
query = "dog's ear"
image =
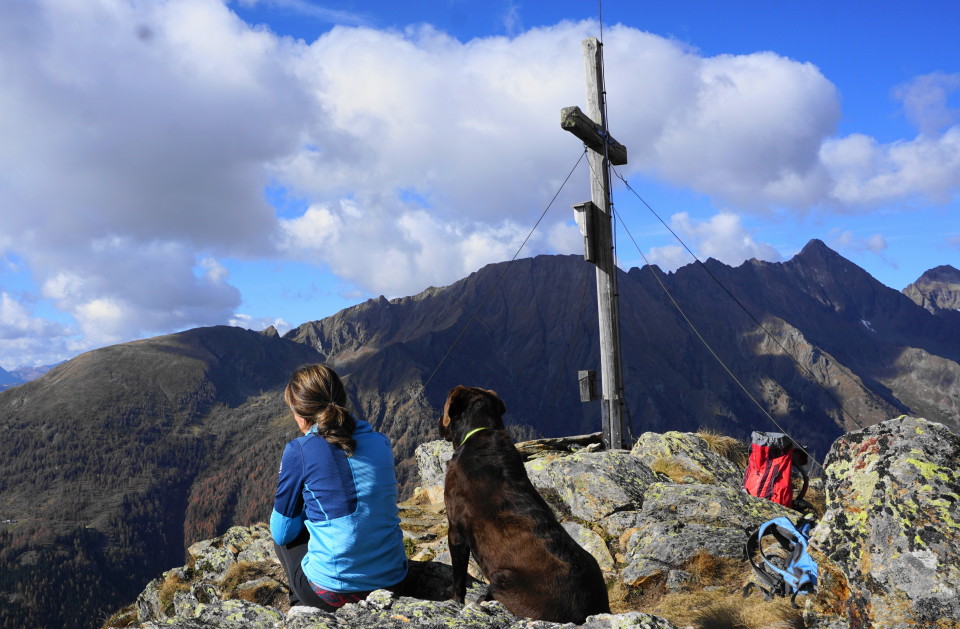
(456, 401)
(498, 402)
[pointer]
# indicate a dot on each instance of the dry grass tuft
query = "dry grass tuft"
(264, 594)
(126, 617)
(170, 586)
(717, 602)
(815, 497)
(242, 572)
(723, 609)
(734, 450)
(624, 598)
(678, 472)
(708, 570)
(255, 581)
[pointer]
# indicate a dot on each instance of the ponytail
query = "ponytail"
(336, 425)
(316, 394)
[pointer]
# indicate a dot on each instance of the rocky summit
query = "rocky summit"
(937, 290)
(667, 522)
(196, 420)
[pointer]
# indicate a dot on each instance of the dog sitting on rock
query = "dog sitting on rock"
(532, 564)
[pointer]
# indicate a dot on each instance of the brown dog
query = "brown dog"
(532, 564)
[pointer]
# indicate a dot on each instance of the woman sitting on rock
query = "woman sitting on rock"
(335, 523)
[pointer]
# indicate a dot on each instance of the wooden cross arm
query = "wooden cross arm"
(577, 123)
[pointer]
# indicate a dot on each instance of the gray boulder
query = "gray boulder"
(678, 521)
(233, 614)
(432, 458)
(383, 609)
(148, 602)
(213, 558)
(592, 485)
(892, 524)
(593, 544)
(689, 456)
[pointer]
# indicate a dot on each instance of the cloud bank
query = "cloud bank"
(139, 140)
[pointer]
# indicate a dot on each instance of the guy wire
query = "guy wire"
(476, 312)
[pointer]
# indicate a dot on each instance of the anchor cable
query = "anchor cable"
(476, 312)
(738, 302)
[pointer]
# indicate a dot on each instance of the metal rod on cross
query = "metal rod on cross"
(596, 223)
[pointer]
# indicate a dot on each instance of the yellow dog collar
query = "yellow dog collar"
(471, 433)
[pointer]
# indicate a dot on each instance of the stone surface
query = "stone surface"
(593, 544)
(432, 458)
(662, 546)
(677, 521)
(893, 523)
(677, 579)
(687, 451)
(592, 485)
(148, 603)
(213, 558)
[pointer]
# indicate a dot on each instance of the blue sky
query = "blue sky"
(179, 163)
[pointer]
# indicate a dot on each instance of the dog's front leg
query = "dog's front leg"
(459, 557)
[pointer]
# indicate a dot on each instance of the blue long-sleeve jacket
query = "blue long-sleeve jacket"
(349, 506)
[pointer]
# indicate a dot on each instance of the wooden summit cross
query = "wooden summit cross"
(595, 220)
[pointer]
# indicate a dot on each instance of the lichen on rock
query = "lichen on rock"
(592, 485)
(893, 522)
(687, 451)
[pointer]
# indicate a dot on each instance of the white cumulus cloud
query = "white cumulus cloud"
(139, 139)
(722, 237)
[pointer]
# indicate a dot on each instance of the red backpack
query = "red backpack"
(772, 461)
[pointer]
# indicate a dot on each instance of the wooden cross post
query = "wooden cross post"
(595, 220)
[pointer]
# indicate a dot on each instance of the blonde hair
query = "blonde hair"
(316, 394)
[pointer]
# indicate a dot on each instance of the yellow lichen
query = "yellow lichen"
(928, 469)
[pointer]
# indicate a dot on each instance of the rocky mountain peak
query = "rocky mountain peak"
(830, 268)
(937, 290)
(816, 248)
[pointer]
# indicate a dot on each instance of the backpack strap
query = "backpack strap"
(806, 483)
(772, 582)
(799, 572)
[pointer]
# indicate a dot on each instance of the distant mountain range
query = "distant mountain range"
(21, 374)
(114, 460)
